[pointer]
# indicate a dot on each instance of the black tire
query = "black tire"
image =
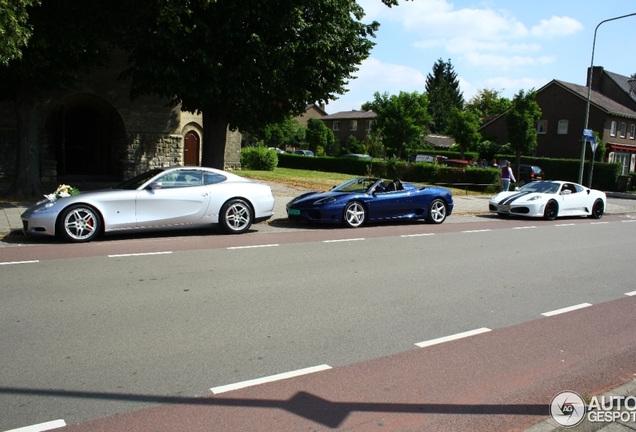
(79, 223)
(354, 215)
(437, 211)
(551, 210)
(598, 209)
(236, 216)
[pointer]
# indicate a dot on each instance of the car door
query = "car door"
(572, 199)
(390, 204)
(176, 198)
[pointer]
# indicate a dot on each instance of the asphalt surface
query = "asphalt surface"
(344, 398)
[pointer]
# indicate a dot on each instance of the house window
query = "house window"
(542, 126)
(613, 129)
(624, 159)
(336, 125)
(623, 129)
(367, 125)
(632, 131)
(353, 125)
(562, 129)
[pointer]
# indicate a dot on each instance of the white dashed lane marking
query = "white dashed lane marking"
(452, 337)
(567, 309)
(267, 379)
(631, 293)
(19, 262)
(41, 427)
(476, 231)
(139, 254)
(417, 235)
(255, 246)
(342, 240)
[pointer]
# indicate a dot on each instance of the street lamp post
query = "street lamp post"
(589, 94)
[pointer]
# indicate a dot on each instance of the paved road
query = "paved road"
(93, 335)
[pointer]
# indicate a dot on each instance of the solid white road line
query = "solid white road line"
(567, 309)
(631, 293)
(272, 378)
(452, 337)
(255, 246)
(19, 262)
(41, 427)
(476, 231)
(528, 227)
(139, 254)
(417, 235)
(342, 240)
(633, 220)
(598, 223)
(564, 225)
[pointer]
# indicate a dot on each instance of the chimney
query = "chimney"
(632, 86)
(597, 74)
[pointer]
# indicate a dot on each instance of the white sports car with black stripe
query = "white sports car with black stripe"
(549, 200)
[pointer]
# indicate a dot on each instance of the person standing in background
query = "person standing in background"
(506, 176)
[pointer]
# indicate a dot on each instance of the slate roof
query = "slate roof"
(601, 101)
(623, 82)
(353, 114)
(439, 141)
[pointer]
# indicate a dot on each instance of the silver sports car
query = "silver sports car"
(162, 198)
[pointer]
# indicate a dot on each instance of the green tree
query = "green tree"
(442, 88)
(289, 132)
(246, 64)
(318, 135)
(15, 29)
(401, 120)
(463, 126)
(68, 38)
(521, 123)
(488, 103)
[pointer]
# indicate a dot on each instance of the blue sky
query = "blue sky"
(501, 45)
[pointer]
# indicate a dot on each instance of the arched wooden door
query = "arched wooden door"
(191, 149)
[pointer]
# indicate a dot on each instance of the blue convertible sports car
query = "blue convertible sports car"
(372, 199)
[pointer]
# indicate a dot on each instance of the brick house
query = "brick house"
(312, 111)
(350, 123)
(563, 105)
(94, 130)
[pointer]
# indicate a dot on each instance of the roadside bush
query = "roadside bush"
(258, 158)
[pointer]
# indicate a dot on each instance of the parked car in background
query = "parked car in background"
(454, 163)
(276, 149)
(528, 173)
(357, 156)
(303, 152)
(159, 199)
(359, 200)
(427, 158)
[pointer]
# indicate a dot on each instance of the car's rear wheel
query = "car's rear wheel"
(551, 210)
(598, 209)
(236, 217)
(355, 215)
(437, 211)
(79, 223)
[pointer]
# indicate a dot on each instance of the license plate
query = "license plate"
(293, 212)
(503, 208)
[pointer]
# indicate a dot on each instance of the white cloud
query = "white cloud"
(556, 26)
(503, 62)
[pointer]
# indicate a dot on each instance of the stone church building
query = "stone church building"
(95, 131)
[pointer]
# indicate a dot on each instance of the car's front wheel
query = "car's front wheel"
(354, 215)
(236, 217)
(598, 209)
(79, 223)
(551, 210)
(437, 211)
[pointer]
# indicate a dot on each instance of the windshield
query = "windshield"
(360, 185)
(137, 181)
(541, 187)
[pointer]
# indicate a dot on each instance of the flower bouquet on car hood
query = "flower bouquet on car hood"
(61, 192)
